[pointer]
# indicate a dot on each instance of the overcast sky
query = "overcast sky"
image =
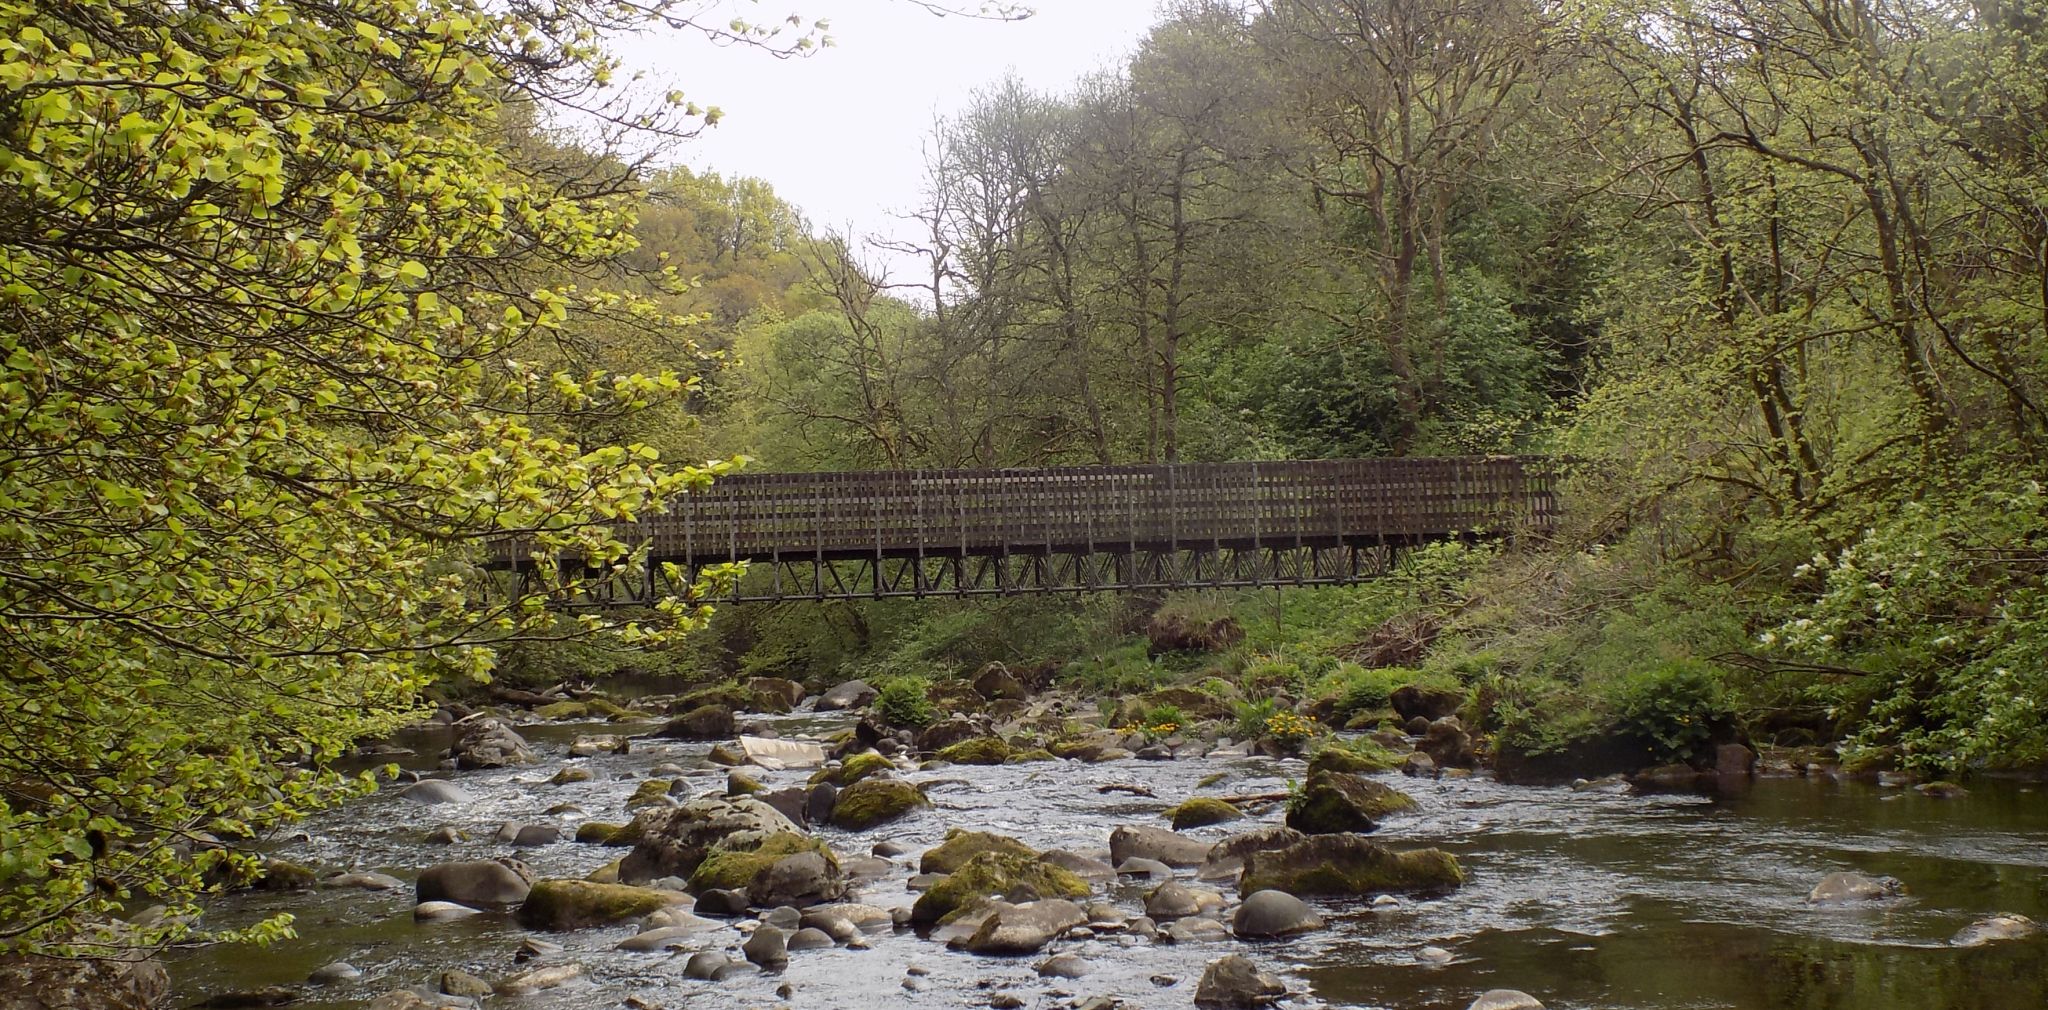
(838, 133)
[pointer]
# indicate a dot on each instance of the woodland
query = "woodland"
(304, 301)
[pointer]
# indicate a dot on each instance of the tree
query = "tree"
(274, 276)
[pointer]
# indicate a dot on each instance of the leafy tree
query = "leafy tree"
(277, 282)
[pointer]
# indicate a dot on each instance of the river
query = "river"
(1589, 900)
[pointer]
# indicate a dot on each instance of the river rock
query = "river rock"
(339, 971)
(133, 980)
(1333, 801)
(1505, 999)
(1175, 900)
(1447, 743)
(782, 869)
(962, 845)
(1849, 888)
(664, 938)
(527, 836)
(433, 791)
(723, 902)
(1348, 864)
(705, 722)
(1202, 811)
(363, 882)
(396, 999)
(446, 834)
(775, 694)
(1995, 928)
(1080, 865)
(1139, 841)
(873, 801)
(1274, 913)
(996, 875)
(1026, 928)
(672, 842)
(1418, 765)
(482, 883)
(558, 905)
(768, 947)
(712, 966)
(1225, 858)
(484, 742)
(1150, 869)
(1425, 703)
(996, 682)
(946, 732)
(1064, 966)
(1235, 983)
(441, 911)
(1193, 929)
(538, 980)
(851, 694)
(592, 746)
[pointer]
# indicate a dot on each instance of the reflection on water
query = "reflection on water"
(1585, 899)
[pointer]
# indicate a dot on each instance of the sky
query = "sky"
(839, 133)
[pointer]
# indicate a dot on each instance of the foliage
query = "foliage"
(1676, 706)
(1291, 731)
(1166, 715)
(288, 294)
(905, 700)
(1251, 718)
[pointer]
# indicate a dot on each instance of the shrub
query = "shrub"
(1166, 715)
(906, 701)
(1252, 716)
(1674, 706)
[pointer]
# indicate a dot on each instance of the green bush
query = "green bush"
(1166, 715)
(1675, 706)
(906, 701)
(1252, 716)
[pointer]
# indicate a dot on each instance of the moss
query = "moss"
(606, 874)
(854, 769)
(1357, 758)
(1348, 864)
(563, 710)
(987, 750)
(742, 784)
(962, 845)
(574, 904)
(1211, 779)
(1201, 810)
(993, 875)
(1073, 747)
(568, 775)
(601, 833)
(648, 793)
(872, 801)
(729, 694)
(1333, 802)
(735, 869)
(1029, 756)
(279, 875)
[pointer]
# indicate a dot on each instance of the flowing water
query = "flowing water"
(1587, 899)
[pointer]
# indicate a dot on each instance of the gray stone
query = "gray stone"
(1169, 847)
(363, 881)
(1079, 865)
(1064, 966)
(1196, 929)
(1995, 928)
(441, 911)
(712, 966)
(810, 938)
(662, 938)
(435, 791)
(851, 694)
(1447, 743)
(1025, 928)
(674, 840)
(484, 742)
(539, 980)
(1150, 869)
(1274, 913)
(723, 902)
(1505, 999)
(527, 836)
(482, 883)
(705, 722)
(1235, 983)
(1849, 888)
(1175, 900)
(784, 916)
(339, 971)
(768, 947)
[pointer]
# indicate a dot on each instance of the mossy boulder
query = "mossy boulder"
(1358, 758)
(728, 694)
(1348, 864)
(602, 833)
(869, 802)
(606, 874)
(562, 710)
(1195, 705)
(575, 904)
(740, 783)
(854, 769)
(774, 694)
(962, 845)
(650, 792)
(705, 722)
(1018, 757)
(1335, 802)
(281, 875)
(673, 841)
(1201, 810)
(783, 869)
(1005, 875)
(987, 750)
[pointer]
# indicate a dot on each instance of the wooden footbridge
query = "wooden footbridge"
(919, 533)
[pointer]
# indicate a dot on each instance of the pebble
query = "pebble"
(1433, 955)
(339, 971)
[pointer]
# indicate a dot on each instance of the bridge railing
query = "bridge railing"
(1096, 509)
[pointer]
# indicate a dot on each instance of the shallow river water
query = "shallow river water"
(1584, 899)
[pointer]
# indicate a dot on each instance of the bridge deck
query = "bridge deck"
(1353, 504)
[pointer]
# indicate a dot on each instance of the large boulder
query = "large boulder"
(672, 841)
(1427, 703)
(784, 869)
(873, 801)
(131, 980)
(1004, 875)
(1175, 900)
(435, 791)
(996, 682)
(705, 722)
(1013, 930)
(851, 694)
(946, 732)
(1995, 929)
(484, 742)
(962, 845)
(1226, 858)
(1201, 811)
(1447, 743)
(1273, 913)
(775, 694)
(1850, 888)
(1334, 802)
(981, 750)
(1235, 983)
(576, 904)
(1173, 849)
(1348, 864)
(482, 883)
